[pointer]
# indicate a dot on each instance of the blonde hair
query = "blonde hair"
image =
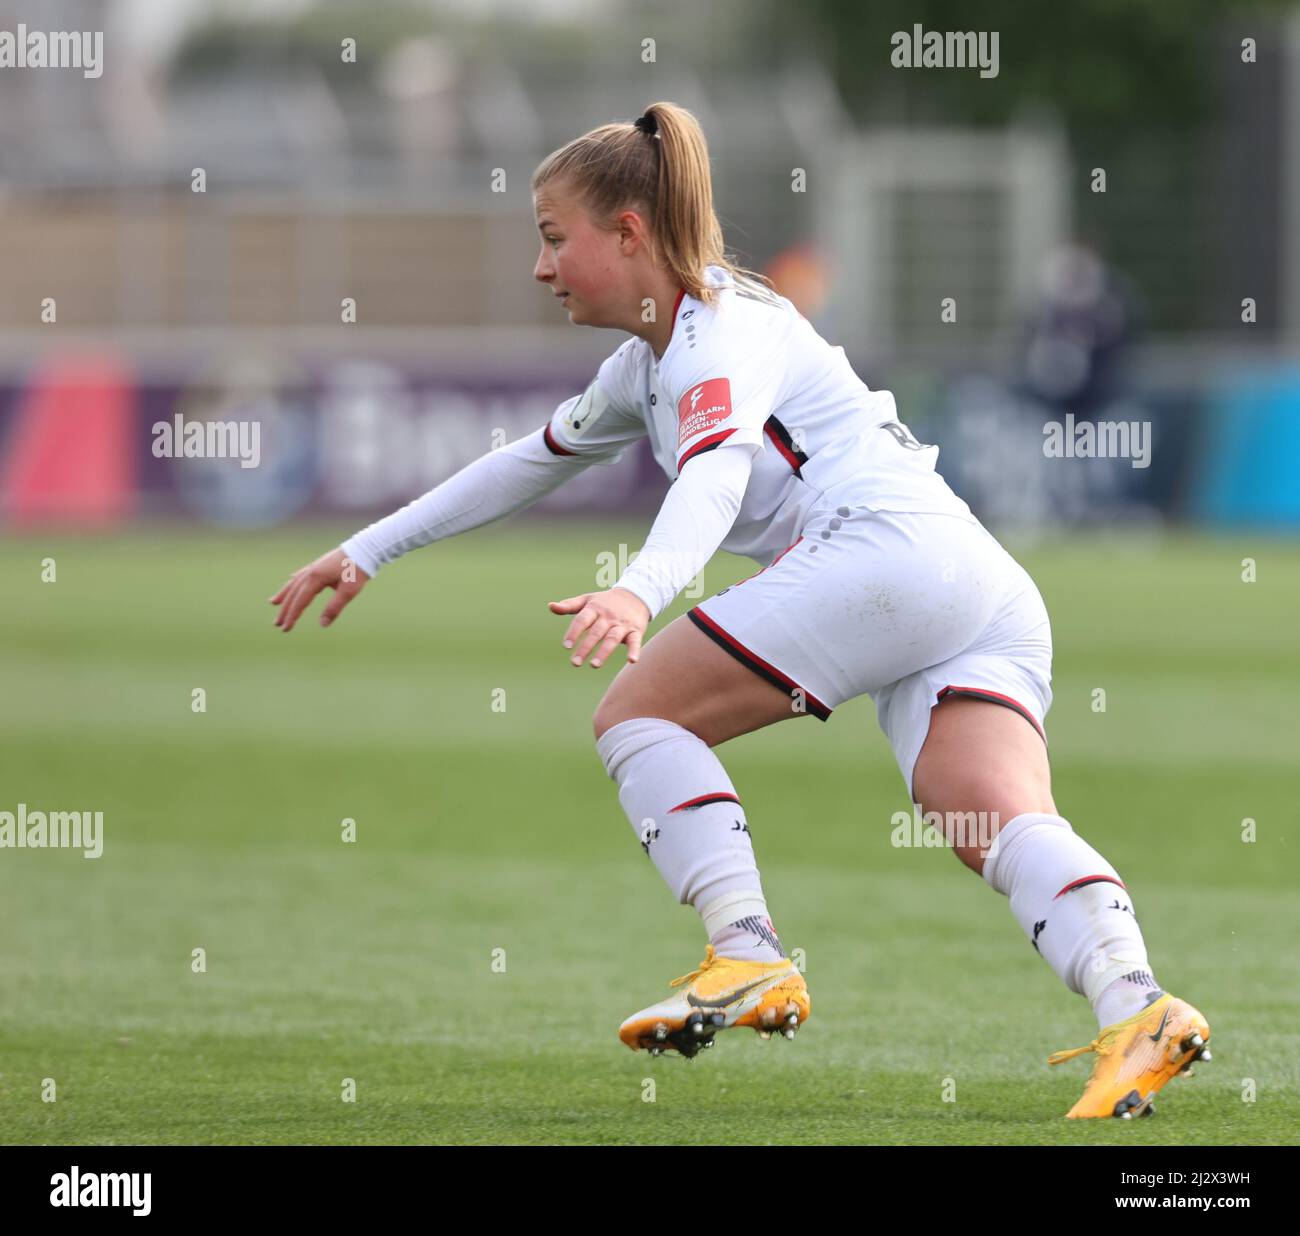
(667, 177)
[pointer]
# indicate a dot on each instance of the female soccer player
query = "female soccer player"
(876, 578)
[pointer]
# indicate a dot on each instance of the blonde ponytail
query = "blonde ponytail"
(659, 165)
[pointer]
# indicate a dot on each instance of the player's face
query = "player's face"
(578, 260)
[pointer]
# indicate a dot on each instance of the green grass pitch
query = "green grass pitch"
(480, 830)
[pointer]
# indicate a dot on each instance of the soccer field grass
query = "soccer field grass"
(480, 829)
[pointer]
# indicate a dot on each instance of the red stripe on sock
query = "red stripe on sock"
(720, 797)
(1092, 879)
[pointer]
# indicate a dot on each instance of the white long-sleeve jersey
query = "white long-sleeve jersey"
(751, 373)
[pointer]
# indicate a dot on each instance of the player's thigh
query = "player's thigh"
(683, 676)
(983, 759)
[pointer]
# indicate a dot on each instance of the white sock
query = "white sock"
(1075, 910)
(1126, 996)
(688, 819)
(739, 926)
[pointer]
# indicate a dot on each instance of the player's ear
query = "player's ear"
(632, 232)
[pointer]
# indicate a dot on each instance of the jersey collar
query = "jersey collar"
(715, 276)
(677, 304)
(656, 361)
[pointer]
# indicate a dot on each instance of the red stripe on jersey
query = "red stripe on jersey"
(786, 453)
(552, 445)
(705, 444)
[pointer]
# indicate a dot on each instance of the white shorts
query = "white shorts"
(905, 607)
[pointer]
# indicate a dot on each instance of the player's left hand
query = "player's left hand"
(332, 570)
(609, 618)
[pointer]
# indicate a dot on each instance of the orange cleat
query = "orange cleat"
(1135, 1058)
(767, 996)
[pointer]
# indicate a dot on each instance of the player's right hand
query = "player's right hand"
(332, 570)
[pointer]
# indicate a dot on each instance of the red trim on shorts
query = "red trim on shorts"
(747, 656)
(993, 697)
(771, 564)
(1093, 879)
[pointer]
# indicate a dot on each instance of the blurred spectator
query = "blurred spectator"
(1077, 332)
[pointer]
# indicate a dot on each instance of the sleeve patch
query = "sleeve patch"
(704, 406)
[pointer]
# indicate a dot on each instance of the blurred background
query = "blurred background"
(178, 237)
(1100, 211)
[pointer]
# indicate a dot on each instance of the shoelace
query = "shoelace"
(1099, 1045)
(709, 958)
(1102, 1044)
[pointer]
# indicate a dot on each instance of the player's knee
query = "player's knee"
(609, 712)
(996, 797)
(617, 707)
